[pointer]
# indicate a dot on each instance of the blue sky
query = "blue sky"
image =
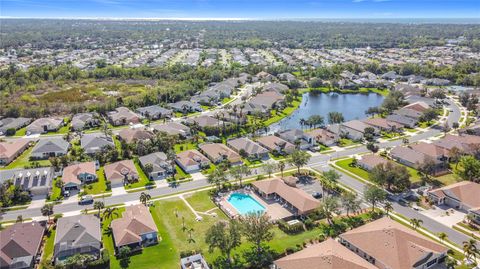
(253, 9)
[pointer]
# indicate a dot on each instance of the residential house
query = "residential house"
(50, 147)
(418, 106)
(276, 87)
(131, 135)
(192, 160)
(328, 254)
(11, 149)
(78, 174)
(370, 161)
(44, 125)
(462, 195)
(135, 228)
(173, 128)
(264, 102)
(295, 199)
(217, 153)
(205, 121)
(80, 234)
(195, 261)
(286, 77)
(355, 129)
(36, 181)
(384, 125)
(296, 136)
(123, 116)
(251, 148)
(433, 151)
(93, 143)
(161, 168)
(20, 245)
(13, 124)
(83, 121)
(185, 107)
(407, 156)
(264, 76)
(388, 244)
(467, 144)
(121, 172)
(276, 144)
(155, 112)
(324, 136)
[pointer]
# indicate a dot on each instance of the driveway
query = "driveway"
(445, 215)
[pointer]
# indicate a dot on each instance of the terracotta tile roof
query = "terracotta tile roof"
(322, 134)
(9, 148)
(372, 160)
(466, 192)
(246, 144)
(135, 221)
(326, 255)
(113, 171)
(272, 142)
(71, 172)
(216, 150)
(136, 134)
(391, 243)
(418, 106)
(191, 157)
(20, 240)
(301, 200)
(429, 149)
(383, 123)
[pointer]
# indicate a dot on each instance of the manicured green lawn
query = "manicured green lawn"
(345, 142)
(345, 164)
(99, 186)
(21, 132)
(447, 179)
(180, 173)
(200, 201)
(209, 170)
(23, 160)
(49, 244)
(184, 146)
(142, 179)
(226, 100)
(284, 113)
(56, 191)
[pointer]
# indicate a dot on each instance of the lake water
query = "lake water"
(352, 106)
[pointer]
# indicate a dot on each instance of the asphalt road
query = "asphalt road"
(318, 163)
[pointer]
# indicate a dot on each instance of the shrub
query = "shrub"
(10, 132)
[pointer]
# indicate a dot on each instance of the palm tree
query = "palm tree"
(190, 238)
(442, 236)
(281, 166)
(144, 198)
(184, 228)
(47, 211)
(388, 207)
(109, 212)
(98, 205)
(470, 249)
(416, 223)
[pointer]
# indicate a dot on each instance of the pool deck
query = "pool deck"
(273, 209)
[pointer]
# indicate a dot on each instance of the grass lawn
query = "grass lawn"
(447, 179)
(209, 170)
(345, 164)
(226, 100)
(21, 131)
(184, 146)
(142, 179)
(56, 191)
(324, 148)
(23, 160)
(180, 174)
(99, 186)
(278, 157)
(345, 142)
(284, 113)
(49, 244)
(248, 162)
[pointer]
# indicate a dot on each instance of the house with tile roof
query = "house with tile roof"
(11, 149)
(328, 254)
(93, 143)
(252, 149)
(44, 125)
(192, 160)
(135, 228)
(121, 172)
(80, 234)
(173, 128)
(20, 245)
(122, 116)
(131, 135)
(388, 244)
(161, 168)
(217, 153)
(463, 195)
(276, 144)
(75, 175)
(82, 121)
(13, 124)
(50, 147)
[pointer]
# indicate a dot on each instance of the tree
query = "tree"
(224, 236)
(299, 158)
(390, 176)
(470, 249)
(372, 147)
(416, 223)
(124, 256)
(269, 168)
(109, 212)
(257, 230)
(455, 155)
(239, 171)
(335, 117)
(369, 134)
(374, 195)
(281, 166)
(388, 207)
(471, 168)
(144, 198)
(428, 115)
(98, 205)
(330, 179)
(148, 168)
(442, 236)
(350, 202)
(47, 211)
(328, 207)
(217, 177)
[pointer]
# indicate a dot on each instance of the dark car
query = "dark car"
(84, 200)
(317, 195)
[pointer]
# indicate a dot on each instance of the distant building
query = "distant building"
(84, 121)
(93, 143)
(155, 112)
(123, 116)
(11, 149)
(13, 123)
(195, 261)
(44, 125)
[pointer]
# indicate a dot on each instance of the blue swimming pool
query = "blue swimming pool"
(245, 203)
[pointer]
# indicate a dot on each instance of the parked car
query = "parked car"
(84, 200)
(317, 195)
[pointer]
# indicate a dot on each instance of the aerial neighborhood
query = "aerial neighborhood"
(188, 151)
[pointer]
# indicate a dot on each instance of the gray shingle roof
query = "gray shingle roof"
(55, 144)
